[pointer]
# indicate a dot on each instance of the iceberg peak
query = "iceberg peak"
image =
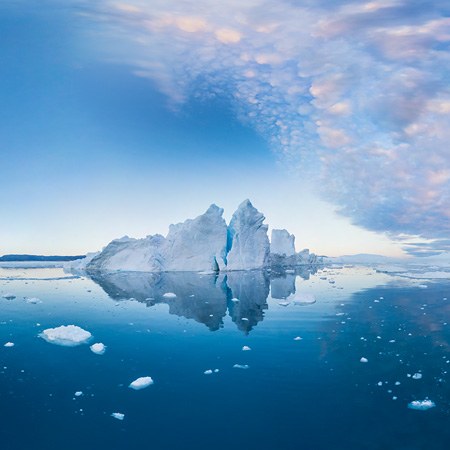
(248, 243)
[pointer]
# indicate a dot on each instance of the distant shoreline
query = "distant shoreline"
(35, 258)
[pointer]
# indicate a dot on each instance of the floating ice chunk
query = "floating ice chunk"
(67, 335)
(298, 338)
(422, 286)
(421, 405)
(216, 370)
(98, 348)
(9, 296)
(118, 416)
(284, 303)
(241, 366)
(33, 300)
(9, 344)
(303, 299)
(169, 295)
(380, 383)
(141, 383)
(246, 348)
(363, 360)
(417, 376)
(235, 300)
(208, 372)
(78, 394)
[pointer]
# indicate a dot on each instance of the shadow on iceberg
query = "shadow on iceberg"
(205, 298)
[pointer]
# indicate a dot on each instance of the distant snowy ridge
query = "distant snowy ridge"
(206, 244)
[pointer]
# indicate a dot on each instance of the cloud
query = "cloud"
(355, 95)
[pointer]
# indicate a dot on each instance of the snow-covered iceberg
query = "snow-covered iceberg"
(204, 244)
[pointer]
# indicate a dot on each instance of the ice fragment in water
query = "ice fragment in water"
(98, 348)
(118, 416)
(141, 383)
(70, 335)
(421, 405)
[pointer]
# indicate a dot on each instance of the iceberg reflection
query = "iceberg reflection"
(205, 298)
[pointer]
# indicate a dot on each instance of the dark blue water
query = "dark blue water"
(312, 393)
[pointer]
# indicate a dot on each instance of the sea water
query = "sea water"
(330, 360)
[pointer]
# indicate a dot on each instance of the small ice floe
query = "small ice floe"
(9, 344)
(210, 371)
(98, 348)
(235, 300)
(284, 303)
(241, 366)
(363, 360)
(298, 338)
(422, 286)
(303, 299)
(33, 300)
(169, 295)
(245, 319)
(9, 296)
(141, 383)
(397, 383)
(216, 370)
(246, 348)
(67, 335)
(421, 405)
(380, 383)
(78, 394)
(118, 416)
(417, 376)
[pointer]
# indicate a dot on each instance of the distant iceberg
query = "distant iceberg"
(204, 244)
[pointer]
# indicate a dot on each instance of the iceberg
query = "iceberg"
(118, 416)
(9, 296)
(9, 344)
(69, 336)
(282, 243)
(204, 244)
(192, 246)
(141, 383)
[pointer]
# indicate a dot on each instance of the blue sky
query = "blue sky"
(122, 117)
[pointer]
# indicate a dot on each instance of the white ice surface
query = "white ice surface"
(98, 348)
(141, 383)
(67, 335)
(421, 405)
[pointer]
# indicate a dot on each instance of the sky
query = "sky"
(119, 118)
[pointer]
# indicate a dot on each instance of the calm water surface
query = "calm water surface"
(312, 393)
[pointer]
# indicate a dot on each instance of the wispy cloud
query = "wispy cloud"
(354, 94)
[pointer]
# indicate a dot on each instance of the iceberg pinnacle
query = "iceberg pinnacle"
(282, 243)
(248, 243)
